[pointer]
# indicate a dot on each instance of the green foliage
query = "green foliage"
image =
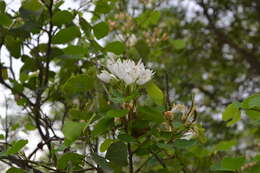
(78, 84)
(16, 146)
(13, 45)
(183, 143)
(225, 145)
(102, 6)
(148, 18)
(102, 162)
(232, 112)
(72, 130)
(98, 126)
(102, 126)
(252, 102)
(66, 35)
(100, 30)
(229, 164)
(155, 93)
(142, 48)
(117, 153)
(104, 146)
(32, 5)
(75, 51)
(178, 44)
(115, 47)
(2, 6)
(70, 161)
(15, 170)
(62, 17)
(116, 113)
(5, 20)
(149, 113)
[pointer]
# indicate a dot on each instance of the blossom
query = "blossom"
(188, 135)
(105, 76)
(127, 71)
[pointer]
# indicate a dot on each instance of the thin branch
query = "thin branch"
(249, 56)
(158, 159)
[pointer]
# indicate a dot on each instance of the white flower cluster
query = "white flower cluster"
(127, 71)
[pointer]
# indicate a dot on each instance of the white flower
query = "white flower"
(145, 77)
(131, 40)
(128, 71)
(188, 135)
(105, 76)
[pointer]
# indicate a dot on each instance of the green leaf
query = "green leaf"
(70, 159)
(233, 164)
(229, 164)
(149, 113)
(102, 7)
(225, 145)
(183, 143)
(62, 17)
(217, 167)
(66, 35)
(13, 45)
(201, 133)
(85, 26)
(253, 114)
(17, 146)
(252, 102)
(116, 47)
(167, 147)
(29, 126)
(142, 48)
(116, 113)
(72, 130)
(155, 93)
(117, 153)
(100, 30)
(15, 170)
(5, 19)
(2, 136)
(4, 73)
(32, 5)
(126, 138)
(78, 84)
(102, 126)
(178, 44)
(2, 6)
(75, 50)
(148, 18)
(104, 146)
(76, 114)
(154, 17)
(102, 162)
(231, 112)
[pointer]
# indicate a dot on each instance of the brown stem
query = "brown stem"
(130, 158)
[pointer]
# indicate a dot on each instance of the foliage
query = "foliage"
(113, 126)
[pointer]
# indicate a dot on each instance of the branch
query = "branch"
(21, 94)
(158, 159)
(143, 164)
(23, 164)
(250, 57)
(48, 52)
